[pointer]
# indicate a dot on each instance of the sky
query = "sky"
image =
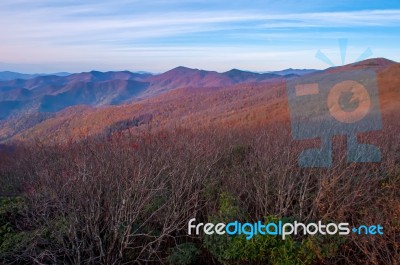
(45, 36)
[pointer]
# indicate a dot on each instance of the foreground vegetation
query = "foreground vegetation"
(126, 199)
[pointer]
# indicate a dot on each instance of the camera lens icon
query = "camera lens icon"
(329, 104)
(355, 93)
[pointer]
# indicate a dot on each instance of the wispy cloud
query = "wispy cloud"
(45, 31)
(59, 21)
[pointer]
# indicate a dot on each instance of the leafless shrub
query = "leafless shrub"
(128, 198)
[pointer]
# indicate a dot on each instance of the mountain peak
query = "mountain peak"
(238, 71)
(183, 68)
(375, 62)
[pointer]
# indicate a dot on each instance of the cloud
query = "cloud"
(46, 31)
(91, 21)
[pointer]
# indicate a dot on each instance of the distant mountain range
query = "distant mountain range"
(52, 93)
(298, 72)
(62, 105)
(7, 75)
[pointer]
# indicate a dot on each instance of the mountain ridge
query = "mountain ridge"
(9, 75)
(197, 96)
(106, 88)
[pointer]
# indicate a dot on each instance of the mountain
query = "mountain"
(7, 75)
(238, 76)
(376, 64)
(291, 71)
(53, 93)
(261, 100)
(57, 74)
(99, 102)
(186, 77)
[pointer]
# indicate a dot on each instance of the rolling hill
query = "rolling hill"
(53, 93)
(77, 105)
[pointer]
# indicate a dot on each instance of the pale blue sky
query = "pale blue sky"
(74, 36)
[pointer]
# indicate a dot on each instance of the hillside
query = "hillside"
(53, 93)
(186, 77)
(258, 101)
(42, 97)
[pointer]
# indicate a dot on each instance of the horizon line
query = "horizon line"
(181, 66)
